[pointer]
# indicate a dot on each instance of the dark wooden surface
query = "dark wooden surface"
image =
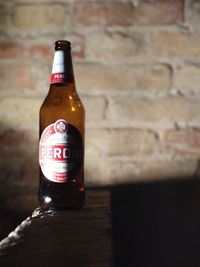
(153, 225)
(63, 238)
(156, 224)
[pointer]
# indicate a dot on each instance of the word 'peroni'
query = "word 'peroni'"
(55, 152)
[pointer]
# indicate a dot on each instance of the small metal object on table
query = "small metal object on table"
(64, 237)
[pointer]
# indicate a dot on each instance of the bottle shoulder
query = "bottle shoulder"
(57, 101)
(62, 104)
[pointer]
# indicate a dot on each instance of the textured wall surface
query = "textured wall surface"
(137, 67)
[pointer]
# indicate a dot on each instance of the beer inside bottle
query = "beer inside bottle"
(61, 146)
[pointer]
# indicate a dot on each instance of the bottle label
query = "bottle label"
(59, 77)
(61, 72)
(60, 151)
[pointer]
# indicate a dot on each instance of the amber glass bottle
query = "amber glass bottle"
(62, 126)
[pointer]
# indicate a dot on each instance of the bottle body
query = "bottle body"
(61, 149)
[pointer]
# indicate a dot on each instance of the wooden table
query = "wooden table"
(154, 224)
(63, 238)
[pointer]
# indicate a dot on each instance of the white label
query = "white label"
(58, 62)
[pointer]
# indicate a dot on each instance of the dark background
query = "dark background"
(156, 224)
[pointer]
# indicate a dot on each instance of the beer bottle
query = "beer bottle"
(61, 146)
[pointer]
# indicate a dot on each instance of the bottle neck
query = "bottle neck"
(62, 70)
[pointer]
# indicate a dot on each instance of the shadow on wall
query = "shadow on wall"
(156, 224)
(18, 176)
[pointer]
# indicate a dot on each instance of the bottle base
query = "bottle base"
(73, 198)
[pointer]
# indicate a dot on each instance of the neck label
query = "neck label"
(58, 77)
(62, 67)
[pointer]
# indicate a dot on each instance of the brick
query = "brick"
(77, 46)
(19, 153)
(3, 14)
(125, 14)
(10, 49)
(18, 143)
(95, 108)
(19, 112)
(182, 143)
(121, 172)
(38, 51)
(175, 44)
(119, 142)
(19, 50)
(113, 47)
(38, 16)
(20, 78)
(192, 13)
(164, 109)
(3, 77)
(41, 74)
(29, 79)
(90, 14)
(96, 171)
(188, 79)
(112, 172)
(17, 147)
(142, 79)
(17, 173)
(159, 12)
(12, 181)
(168, 170)
(41, 50)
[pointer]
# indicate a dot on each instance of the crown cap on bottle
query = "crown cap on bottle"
(62, 45)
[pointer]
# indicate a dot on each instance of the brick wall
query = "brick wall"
(137, 66)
